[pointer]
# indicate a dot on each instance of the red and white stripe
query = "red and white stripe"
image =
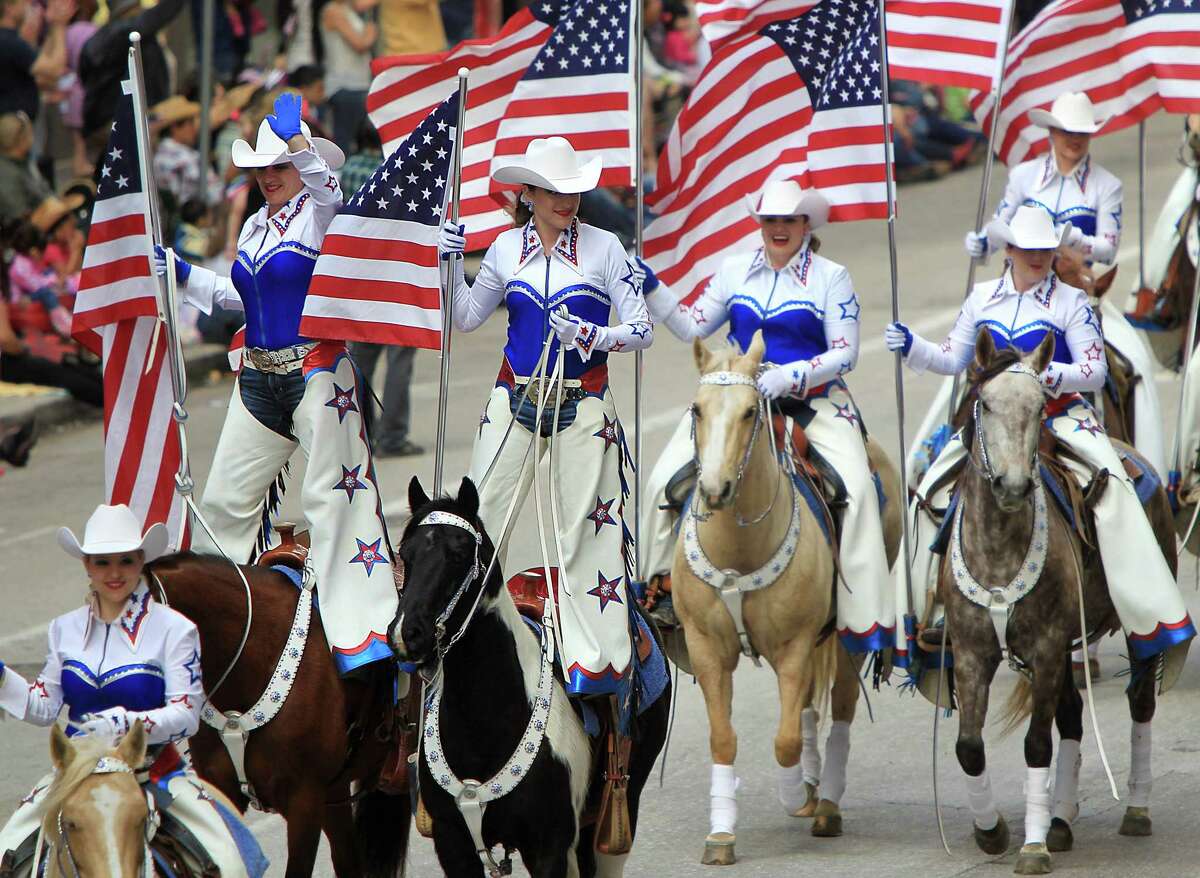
(1129, 70)
(725, 20)
(116, 282)
(407, 87)
(749, 120)
(376, 280)
(946, 42)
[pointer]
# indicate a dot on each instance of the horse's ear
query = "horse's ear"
(1104, 282)
(132, 748)
(468, 496)
(702, 355)
(1042, 355)
(985, 349)
(416, 495)
(62, 751)
(754, 354)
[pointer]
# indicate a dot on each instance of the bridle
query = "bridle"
(726, 378)
(105, 765)
(984, 463)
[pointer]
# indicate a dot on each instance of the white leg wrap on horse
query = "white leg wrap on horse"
(792, 794)
(810, 756)
(722, 808)
(610, 865)
(1066, 780)
(1093, 649)
(1141, 780)
(837, 754)
(1037, 805)
(981, 800)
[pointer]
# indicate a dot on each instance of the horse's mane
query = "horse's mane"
(724, 355)
(88, 750)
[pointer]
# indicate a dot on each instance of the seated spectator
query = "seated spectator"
(309, 81)
(58, 220)
(18, 366)
(24, 70)
(682, 38)
(926, 144)
(22, 188)
(176, 160)
(349, 39)
(31, 281)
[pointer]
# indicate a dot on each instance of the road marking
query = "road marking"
(28, 535)
(39, 630)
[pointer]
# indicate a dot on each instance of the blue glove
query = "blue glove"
(650, 280)
(182, 269)
(898, 337)
(285, 121)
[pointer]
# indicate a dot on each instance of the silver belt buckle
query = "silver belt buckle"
(257, 360)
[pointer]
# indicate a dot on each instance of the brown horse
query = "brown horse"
(331, 736)
(996, 538)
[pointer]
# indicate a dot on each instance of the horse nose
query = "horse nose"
(721, 496)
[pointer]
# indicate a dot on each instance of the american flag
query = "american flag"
(116, 310)
(580, 86)
(799, 99)
(377, 276)
(406, 88)
(945, 42)
(1132, 58)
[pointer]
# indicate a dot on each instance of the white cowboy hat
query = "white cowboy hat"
(271, 150)
(1031, 228)
(115, 529)
(1072, 112)
(788, 198)
(551, 163)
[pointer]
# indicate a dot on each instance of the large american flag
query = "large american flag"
(377, 278)
(580, 86)
(406, 88)
(116, 311)
(801, 98)
(1132, 58)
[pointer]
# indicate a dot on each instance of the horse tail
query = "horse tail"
(824, 659)
(1018, 707)
(382, 823)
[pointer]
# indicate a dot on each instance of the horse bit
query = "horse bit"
(107, 765)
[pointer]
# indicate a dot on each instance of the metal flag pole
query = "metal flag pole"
(1189, 340)
(207, 39)
(447, 277)
(1141, 204)
(988, 163)
(638, 225)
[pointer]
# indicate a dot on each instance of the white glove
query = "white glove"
(111, 723)
(1074, 238)
(451, 240)
(898, 337)
(784, 381)
(575, 333)
(976, 244)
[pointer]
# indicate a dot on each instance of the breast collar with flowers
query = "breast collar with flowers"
(132, 620)
(567, 246)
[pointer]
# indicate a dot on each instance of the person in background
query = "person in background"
(22, 188)
(24, 70)
(78, 33)
(410, 26)
(349, 38)
(309, 81)
(368, 153)
(458, 20)
(176, 160)
(18, 366)
(17, 439)
(58, 218)
(30, 280)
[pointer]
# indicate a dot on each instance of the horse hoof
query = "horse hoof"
(993, 841)
(1136, 822)
(827, 820)
(809, 808)
(718, 850)
(1034, 859)
(1059, 838)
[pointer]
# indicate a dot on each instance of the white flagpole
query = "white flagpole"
(988, 162)
(639, 223)
(1141, 204)
(447, 276)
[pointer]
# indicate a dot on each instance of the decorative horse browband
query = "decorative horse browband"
(728, 379)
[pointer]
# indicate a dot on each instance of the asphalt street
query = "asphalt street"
(890, 825)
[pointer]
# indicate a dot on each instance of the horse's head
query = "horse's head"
(444, 552)
(95, 815)
(724, 417)
(1008, 416)
(1192, 127)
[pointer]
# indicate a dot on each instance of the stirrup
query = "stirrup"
(614, 833)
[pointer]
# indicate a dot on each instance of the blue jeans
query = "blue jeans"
(272, 398)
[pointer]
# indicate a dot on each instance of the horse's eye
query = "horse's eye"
(987, 408)
(696, 413)
(749, 413)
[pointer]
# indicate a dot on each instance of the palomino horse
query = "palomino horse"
(787, 622)
(299, 765)
(1006, 526)
(96, 815)
(505, 761)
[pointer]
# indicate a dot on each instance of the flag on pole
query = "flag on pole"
(1132, 58)
(406, 88)
(116, 310)
(944, 42)
(800, 98)
(579, 86)
(377, 279)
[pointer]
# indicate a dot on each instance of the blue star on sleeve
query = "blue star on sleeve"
(632, 278)
(850, 308)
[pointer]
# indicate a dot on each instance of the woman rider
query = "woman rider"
(119, 659)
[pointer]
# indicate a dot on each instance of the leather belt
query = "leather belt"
(590, 383)
(281, 361)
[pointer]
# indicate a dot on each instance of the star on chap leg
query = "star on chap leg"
(607, 590)
(608, 433)
(349, 482)
(847, 413)
(342, 402)
(601, 516)
(369, 554)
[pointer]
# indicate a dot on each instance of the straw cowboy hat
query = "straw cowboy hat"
(1031, 228)
(551, 163)
(174, 109)
(270, 150)
(1071, 112)
(115, 529)
(788, 198)
(53, 209)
